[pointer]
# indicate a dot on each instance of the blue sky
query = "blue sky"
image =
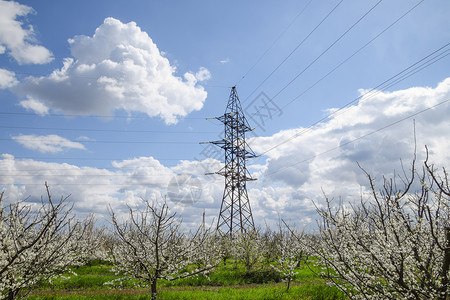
(107, 100)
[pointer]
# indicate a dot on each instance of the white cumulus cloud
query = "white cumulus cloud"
(47, 143)
(93, 190)
(291, 178)
(34, 105)
(118, 68)
(16, 39)
(324, 158)
(203, 74)
(7, 79)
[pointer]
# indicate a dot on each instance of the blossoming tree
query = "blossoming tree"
(37, 243)
(394, 245)
(153, 246)
(291, 249)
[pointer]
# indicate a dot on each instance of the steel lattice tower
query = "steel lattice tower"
(235, 211)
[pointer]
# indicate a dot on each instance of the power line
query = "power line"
(356, 139)
(77, 168)
(295, 49)
(85, 175)
(19, 139)
(68, 175)
(96, 116)
(326, 50)
(354, 53)
(275, 41)
(405, 73)
(344, 61)
(97, 77)
(104, 130)
(26, 173)
(92, 158)
(266, 175)
(421, 67)
(131, 178)
(83, 168)
(152, 184)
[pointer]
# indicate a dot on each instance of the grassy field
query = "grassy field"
(226, 282)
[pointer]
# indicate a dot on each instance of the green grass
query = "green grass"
(229, 281)
(304, 291)
(93, 270)
(227, 278)
(235, 274)
(79, 282)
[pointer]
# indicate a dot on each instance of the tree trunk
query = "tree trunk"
(12, 294)
(153, 289)
(288, 283)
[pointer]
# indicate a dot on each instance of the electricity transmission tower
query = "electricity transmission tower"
(235, 212)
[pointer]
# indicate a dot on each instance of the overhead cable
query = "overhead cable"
(295, 49)
(275, 41)
(326, 50)
(428, 60)
(292, 164)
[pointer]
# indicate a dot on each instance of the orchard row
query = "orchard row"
(393, 244)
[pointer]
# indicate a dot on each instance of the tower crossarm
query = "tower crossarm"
(234, 120)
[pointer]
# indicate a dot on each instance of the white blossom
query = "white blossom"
(37, 243)
(394, 245)
(151, 246)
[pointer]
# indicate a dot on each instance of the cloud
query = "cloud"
(142, 168)
(129, 181)
(7, 79)
(203, 74)
(91, 189)
(225, 61)
(47, 143)
(325, 157)
(17, 41)
(84, 138)
(118, 68)
(34, 105)
(291, 177)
